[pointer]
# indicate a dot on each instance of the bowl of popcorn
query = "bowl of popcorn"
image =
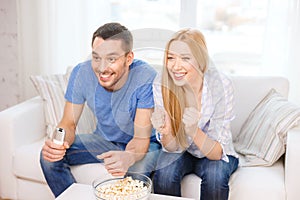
(133, 186)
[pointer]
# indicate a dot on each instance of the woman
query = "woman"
(194, 108)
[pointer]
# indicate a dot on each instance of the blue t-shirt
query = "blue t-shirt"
(114, 111)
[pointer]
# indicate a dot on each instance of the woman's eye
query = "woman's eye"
(170, 58)
(185, 58)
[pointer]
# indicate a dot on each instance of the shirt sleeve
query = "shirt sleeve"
(74, 89)
(145, 96)
(219, 124)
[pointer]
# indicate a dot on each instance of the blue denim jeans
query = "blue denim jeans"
(172, 167)
(84, 150)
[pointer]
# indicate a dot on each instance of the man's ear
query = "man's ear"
(129, 58)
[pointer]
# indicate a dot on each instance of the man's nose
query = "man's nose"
(102, 66)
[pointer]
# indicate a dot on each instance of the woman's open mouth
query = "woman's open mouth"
(179, 76)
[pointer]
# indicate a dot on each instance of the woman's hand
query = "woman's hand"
(158, 120)
(191, 117)
(162, 123)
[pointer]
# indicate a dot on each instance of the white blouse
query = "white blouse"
(216, 112)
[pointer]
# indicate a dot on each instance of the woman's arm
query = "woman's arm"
(210, 148)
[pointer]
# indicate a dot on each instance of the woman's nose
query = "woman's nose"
(177, 63)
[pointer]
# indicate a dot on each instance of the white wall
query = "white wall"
(9, 73)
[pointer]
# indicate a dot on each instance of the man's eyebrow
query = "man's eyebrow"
(110, 54)
(113, 54)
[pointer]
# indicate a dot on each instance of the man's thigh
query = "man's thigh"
(148, 163)
(86, 147)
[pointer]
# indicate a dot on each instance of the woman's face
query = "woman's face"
(182, 65)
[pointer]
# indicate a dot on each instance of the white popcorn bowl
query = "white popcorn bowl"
(141, 195)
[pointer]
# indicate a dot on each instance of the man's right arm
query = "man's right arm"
(53, 152)
(70, 119)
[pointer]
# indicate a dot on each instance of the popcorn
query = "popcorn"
(123, 189)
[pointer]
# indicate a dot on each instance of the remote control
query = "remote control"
(59, 136)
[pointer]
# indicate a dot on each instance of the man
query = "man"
(118, 89)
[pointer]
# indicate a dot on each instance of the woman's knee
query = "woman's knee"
(216, 174)
(167, 175)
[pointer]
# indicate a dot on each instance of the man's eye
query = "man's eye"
(111, 59)
(96, 58)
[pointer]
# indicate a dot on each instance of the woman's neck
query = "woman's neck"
(193, 95)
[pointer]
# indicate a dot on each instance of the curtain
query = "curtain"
(282, 44)
(54, 34)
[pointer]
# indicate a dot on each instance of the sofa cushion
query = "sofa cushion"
(52, 89)
(26, 165)
(246, 183)
(87, 173)
(263, 135)
(258, 182)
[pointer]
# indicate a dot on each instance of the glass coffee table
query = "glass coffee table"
(81, 191)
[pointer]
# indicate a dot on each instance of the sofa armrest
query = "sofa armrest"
(21, 124)
(292, 164)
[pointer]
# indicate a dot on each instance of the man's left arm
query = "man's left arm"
(140, 142)
(118, 162)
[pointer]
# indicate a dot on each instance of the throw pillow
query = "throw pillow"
(52, 88)
(262, 138)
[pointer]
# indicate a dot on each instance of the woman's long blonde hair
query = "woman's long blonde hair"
(173, 96)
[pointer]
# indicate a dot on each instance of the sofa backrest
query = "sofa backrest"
(249, 91)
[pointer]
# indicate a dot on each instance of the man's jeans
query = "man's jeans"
(172, 167)
(84, 150)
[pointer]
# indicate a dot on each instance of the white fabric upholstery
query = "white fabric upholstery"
(23, 128)
(13, 123)
(267, 182)
(249, 91)
(292, 163)
(52, 88)
(26, 163)
(249, 183)
(263, 135)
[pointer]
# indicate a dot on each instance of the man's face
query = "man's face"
(110, 63)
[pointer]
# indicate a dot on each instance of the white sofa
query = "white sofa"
(22, 133)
